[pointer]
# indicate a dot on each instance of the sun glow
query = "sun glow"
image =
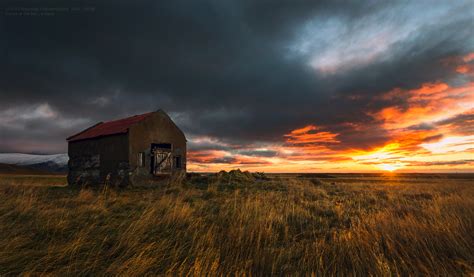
(377, 155)
(389, 167)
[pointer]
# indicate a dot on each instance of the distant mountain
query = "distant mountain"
(51, 163)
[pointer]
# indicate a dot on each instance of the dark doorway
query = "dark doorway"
(161, 161)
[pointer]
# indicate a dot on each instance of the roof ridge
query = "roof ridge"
(113, 127)
(85, 130)
(128, 117)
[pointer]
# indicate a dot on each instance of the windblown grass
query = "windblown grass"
(32, 180)
(241, 223)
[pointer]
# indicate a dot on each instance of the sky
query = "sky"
(268, 85)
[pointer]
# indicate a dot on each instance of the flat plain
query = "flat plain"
(241, 223)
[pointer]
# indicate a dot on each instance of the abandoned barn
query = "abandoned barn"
(126, 151)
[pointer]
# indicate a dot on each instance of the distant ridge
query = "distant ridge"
(56, 163)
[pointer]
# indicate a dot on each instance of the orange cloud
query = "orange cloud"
(429, 90)
(205, 156)
(469, 57)
(463, 69)
(303, 130)
(462, 64)
(431, 102)
(248, 160)
(310, 134)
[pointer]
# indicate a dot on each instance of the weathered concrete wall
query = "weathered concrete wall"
(158, 128)
(92, 160)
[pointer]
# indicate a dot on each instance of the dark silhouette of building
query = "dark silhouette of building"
(141, 148)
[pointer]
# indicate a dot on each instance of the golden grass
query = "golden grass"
(239, 224)
(33, 180)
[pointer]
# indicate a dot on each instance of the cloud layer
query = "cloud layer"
(263, 85)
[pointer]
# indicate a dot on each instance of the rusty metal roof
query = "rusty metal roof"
(109, 128)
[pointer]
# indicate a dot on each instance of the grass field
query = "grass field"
(240, 223)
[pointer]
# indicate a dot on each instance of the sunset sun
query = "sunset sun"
(389, 167)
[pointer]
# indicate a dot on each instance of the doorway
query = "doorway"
(161, 158)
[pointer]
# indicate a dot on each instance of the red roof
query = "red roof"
(109, 128)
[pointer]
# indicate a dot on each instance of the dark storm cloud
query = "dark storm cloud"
(422, 127)
(233, 160)
(433, 138)
(259, 153)
(438, 163)
(240, 71)
(461, 123)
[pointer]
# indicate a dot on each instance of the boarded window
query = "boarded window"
(141, 159)
(177, 162)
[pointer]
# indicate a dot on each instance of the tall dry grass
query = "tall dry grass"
(238, 223)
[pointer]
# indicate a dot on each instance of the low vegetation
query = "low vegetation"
(240, 223)
(32, 180)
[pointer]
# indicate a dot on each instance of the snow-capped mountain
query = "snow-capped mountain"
(53, 163)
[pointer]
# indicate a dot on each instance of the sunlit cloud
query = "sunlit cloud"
(337, 44)
(430, 103)
(311, 135)
(468, 57)
(354, 48)
(450, 144)
(386, 152)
